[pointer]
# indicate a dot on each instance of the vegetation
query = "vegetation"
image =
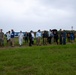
(38, 60)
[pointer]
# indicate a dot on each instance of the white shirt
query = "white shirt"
(8, 36)
(20, 35)
(49, 33)
(38, 34)
(33, 35)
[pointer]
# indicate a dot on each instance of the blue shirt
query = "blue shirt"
(12, 35)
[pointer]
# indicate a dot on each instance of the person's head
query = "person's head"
(0, 30)
(12, 30)
(8, 31)
(60, 29)
(20, 31)
(63, 30)
(31, 31)
(50, 30)
(39, 30)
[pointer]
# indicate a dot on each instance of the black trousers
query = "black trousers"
(49, 40)
(30, 42)
(61, 40)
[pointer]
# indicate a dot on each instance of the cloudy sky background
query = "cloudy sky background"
(29, 15)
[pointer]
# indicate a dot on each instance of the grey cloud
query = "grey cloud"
(43, 15)
(61, 4)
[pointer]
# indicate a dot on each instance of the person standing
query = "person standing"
(68, 37)
(38, 37)
(60, 36)
(45, 36)
(26, 37)
(20, 36)
(64, 37)
(1, 38)
(50, 36)
(72, 37)
(30, 38)
(55, 36)
(33, 36)
(8, 37)
(12, 37)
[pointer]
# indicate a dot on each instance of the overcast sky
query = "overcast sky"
(29, 15)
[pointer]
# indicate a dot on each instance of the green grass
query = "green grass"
(38, 60)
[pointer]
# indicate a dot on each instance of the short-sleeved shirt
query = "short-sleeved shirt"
(38, 34)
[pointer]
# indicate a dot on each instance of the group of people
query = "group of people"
(44, 37)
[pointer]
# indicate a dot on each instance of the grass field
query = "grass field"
(38, 60)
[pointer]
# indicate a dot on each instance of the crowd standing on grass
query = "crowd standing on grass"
(38, 38)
